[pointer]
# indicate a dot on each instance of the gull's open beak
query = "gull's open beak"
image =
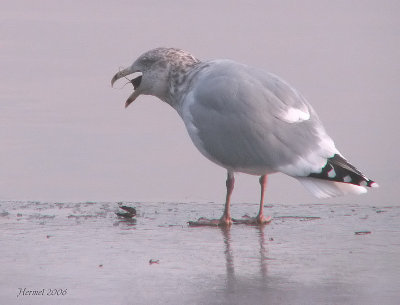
(121, 74)
(131, 98)
(135, 82)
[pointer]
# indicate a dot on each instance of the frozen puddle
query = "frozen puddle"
(82, 253)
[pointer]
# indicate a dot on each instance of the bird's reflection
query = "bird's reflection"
(263, 251)
(229, 263)
(229, 255)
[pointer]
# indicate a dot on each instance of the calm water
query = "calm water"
(309, 254)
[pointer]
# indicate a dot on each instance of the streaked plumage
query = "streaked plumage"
(246, 120)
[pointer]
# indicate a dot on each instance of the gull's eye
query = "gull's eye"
(136, 82)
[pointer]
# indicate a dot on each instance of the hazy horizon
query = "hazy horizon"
(65, 135)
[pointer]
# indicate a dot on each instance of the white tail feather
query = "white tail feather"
(326, 189)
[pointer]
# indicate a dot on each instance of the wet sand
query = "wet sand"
(309, 254)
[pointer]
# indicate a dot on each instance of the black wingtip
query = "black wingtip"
(339, 169)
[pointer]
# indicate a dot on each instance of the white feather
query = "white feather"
(326, 189)
(347, 179)
(294, 115)
(315, 160)
(332, 173)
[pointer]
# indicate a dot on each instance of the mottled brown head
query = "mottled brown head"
(162, 71)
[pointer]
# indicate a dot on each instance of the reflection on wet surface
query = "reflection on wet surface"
(309, 254)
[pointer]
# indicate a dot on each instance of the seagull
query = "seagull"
(245, 120)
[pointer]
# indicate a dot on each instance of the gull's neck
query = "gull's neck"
(180, 74)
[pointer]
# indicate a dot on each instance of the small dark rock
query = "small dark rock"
(362, 232)
(154, 261)
(130, 212)
(124, 215)
(128, 209)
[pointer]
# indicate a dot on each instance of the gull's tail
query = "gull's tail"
(338, 177)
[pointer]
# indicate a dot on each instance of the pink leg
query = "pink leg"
(226, 219)
(259, 219)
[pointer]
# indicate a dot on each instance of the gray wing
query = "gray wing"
(251, 121)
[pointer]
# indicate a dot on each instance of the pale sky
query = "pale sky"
(65, 135)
